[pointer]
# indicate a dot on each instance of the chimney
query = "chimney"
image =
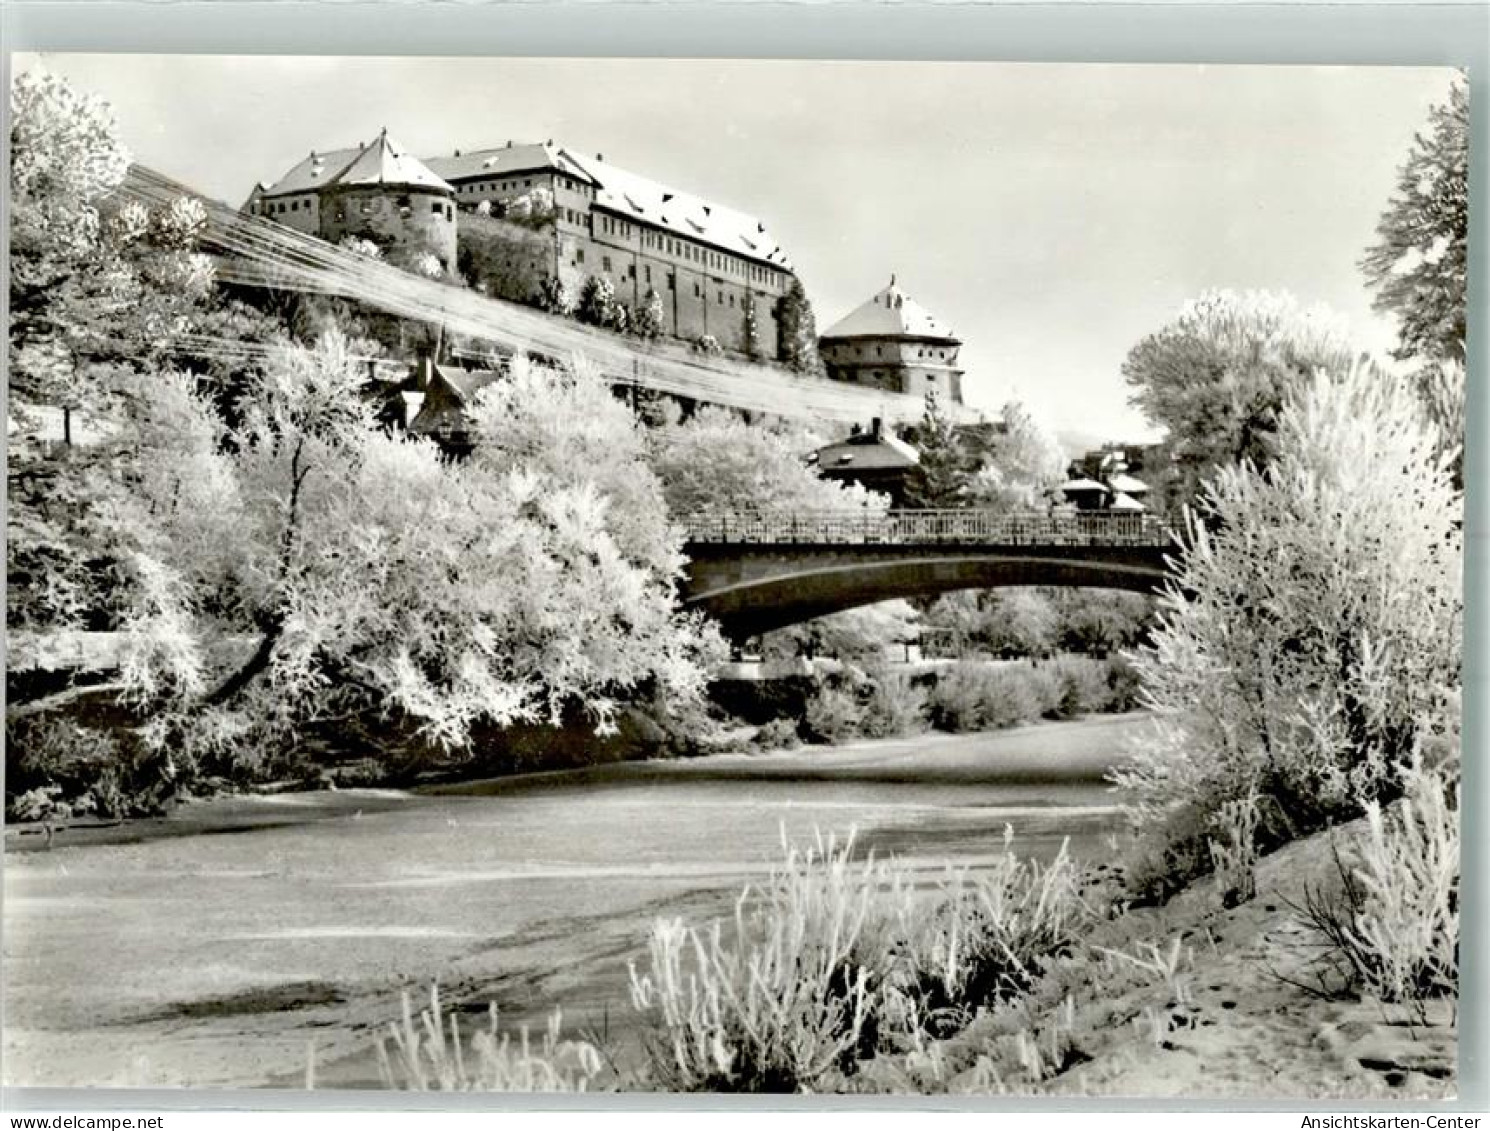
(424, 370)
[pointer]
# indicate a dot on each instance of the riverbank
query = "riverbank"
(295, 922)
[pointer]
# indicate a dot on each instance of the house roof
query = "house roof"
(380, 161)
(867, 452)
(891, 314)
(646, 201)
(465, 383)
(1125, 503)
(1080, 486)
(1127, 484)
(505, 159)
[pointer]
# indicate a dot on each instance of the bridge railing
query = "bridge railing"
(927, 527)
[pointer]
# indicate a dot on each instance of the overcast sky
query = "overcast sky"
(1052, 214)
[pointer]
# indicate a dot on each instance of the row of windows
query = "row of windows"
(848, 353)
(279, 207)
(510, 181)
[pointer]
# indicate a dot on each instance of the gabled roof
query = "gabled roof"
(866, 451)
(381, 161)
(891, 314)
(644, 200)
(506, 159)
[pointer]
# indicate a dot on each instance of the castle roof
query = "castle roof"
(891, 314)
(506, 159)
(380, 162)
(646, 201)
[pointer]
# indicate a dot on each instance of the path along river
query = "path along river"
(214, 947)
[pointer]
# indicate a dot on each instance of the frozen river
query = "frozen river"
(214, 948)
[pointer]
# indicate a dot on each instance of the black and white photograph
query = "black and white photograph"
(717, 576)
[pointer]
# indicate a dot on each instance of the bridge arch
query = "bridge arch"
(756, 572)
(760, 592)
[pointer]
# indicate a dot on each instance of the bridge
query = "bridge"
(757, 572)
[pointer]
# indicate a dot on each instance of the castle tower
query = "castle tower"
(893, 343)
(377, 192)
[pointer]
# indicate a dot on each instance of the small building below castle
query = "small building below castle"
(893, 343)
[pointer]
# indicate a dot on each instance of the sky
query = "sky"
(1054, 215)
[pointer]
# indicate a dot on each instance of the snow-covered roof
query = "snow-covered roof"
(891, 314)
(506, 159)
(1078, 486)
(380, 161)
(1125, 503)
(867, 451)
(1128, 485)
(645, 201)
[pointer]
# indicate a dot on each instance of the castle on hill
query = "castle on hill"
(714, 270)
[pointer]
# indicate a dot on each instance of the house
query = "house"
(874, 458)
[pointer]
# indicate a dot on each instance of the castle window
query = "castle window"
(579, 255)
(435, 207)
(697, 291)
(648, 270)
(605, 263)
(672, 281)
(631, 270)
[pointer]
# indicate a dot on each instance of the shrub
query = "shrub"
(833, 715)
(973, 697)
(895, 707)
(1313, 622)
(427, 1057)
(1393, 926)
(1234, 856)
(778, 734)
(1085, 686)
(780, 1003)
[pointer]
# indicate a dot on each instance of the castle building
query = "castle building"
(893, 343)
(707, 264)
(378, 192)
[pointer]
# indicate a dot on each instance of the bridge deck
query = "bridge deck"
(927, 528)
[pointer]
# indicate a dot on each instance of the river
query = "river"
(214, 947)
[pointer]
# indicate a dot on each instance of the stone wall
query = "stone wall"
(404, 222)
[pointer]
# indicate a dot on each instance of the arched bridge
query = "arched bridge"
(757, 572)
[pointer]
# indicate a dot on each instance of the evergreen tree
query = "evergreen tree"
(944, 475)
(798, 331)
(1419, 266)
(752, 331)
(597, 299)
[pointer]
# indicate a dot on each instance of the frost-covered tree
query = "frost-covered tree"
(648, 321)
(553, 296)
(1217, 376)
(597, 305)
(1309, 642)
(717, 463)
(1023, 462)
(1419, 266)
(102, 291)
(361, 571)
